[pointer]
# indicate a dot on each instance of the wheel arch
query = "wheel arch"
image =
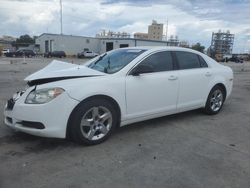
(222, 86)
(224, 89)
(105, 97)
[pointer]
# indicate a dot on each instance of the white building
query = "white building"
(75, 44)
(68, 43)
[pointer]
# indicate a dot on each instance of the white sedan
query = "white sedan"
(90, 54)
(87, 102)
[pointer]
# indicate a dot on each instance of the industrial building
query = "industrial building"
(74, 44)
(221, 44)
(112, 34)
(139, 35)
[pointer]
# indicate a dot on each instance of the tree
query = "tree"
(198, 47)
(24, 40)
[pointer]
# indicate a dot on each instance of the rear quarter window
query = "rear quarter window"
(202, 61)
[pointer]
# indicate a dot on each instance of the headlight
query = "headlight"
(43, 95)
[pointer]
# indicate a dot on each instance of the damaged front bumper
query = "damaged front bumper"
(46, 120)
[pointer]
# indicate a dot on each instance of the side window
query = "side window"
(202, 62)
(160, 61)
(187, 60)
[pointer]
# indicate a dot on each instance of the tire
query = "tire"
(215, 100)
(86, 126)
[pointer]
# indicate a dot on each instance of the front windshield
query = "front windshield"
(115, 60)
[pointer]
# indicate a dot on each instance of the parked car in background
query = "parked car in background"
(59, 54)
(123, 86)
(4, 51)
(236, 59)
(233, 59)
(87, 54)
(21, 53)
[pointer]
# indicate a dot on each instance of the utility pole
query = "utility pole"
(167, 31)
(61, 16)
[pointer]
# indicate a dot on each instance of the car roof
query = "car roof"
(150, 49)
(155, 48)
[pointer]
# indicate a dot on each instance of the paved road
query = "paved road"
(186, 150)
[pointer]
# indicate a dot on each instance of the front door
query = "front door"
(154, 92)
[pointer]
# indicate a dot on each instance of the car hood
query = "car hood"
(59, 70)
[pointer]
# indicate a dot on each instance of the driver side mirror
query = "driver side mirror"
(141, 69)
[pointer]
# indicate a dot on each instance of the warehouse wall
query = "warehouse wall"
(70, 44)
(75, 44)
(116, 43)
(129, 42)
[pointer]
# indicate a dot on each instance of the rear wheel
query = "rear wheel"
(215, 100)
(93, 122)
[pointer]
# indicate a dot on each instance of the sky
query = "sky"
(191, 20)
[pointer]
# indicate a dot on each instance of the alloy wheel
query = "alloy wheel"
(216, 100)
(96, 123)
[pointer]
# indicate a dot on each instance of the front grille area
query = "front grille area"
(31, 124)
(10, 104)
(9, 120)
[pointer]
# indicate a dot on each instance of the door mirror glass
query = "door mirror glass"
(141, 69)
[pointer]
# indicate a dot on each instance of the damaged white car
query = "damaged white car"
(87, 102)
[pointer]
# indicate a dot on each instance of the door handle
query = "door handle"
(208, 74)
(172, 77)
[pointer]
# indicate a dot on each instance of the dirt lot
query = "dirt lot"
(186, 150)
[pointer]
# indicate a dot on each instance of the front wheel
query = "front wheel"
(215, 100)
(93, 122)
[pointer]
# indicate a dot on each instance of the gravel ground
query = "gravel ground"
(185, 150)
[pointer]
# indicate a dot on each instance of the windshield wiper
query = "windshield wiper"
(100, 58)
(94, 63)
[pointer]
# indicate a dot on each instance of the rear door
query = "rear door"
(194, 78)
(155, 92)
